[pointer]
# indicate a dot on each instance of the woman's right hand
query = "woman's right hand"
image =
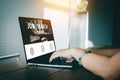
(69, 54)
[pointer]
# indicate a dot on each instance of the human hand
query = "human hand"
(70, 54)
(66, 53)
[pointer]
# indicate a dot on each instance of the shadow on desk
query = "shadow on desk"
(75, 74)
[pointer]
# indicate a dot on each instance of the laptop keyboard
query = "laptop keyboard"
(58, 62)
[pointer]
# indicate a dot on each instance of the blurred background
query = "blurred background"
(76, 23)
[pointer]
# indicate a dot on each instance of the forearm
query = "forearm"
(95, 63)
(106, 52)
(92, 62)
(101, 65)
(76, 52)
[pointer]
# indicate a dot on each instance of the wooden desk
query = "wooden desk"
(44, 73)
(78, 74)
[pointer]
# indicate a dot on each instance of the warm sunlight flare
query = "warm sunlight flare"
(79, 5)
(64, 3)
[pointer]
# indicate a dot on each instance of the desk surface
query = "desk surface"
(45, 73)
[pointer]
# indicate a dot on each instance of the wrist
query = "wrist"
(76, 52)
(81, 56)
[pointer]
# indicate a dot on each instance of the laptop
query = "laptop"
(38, 41)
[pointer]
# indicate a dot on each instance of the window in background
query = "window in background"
(70, 22)
(58, 12)
(78, 24)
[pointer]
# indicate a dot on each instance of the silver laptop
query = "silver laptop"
(38, 41)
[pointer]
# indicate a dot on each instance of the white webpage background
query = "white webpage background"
(37, 49)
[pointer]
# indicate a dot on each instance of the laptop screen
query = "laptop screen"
(37, 37)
